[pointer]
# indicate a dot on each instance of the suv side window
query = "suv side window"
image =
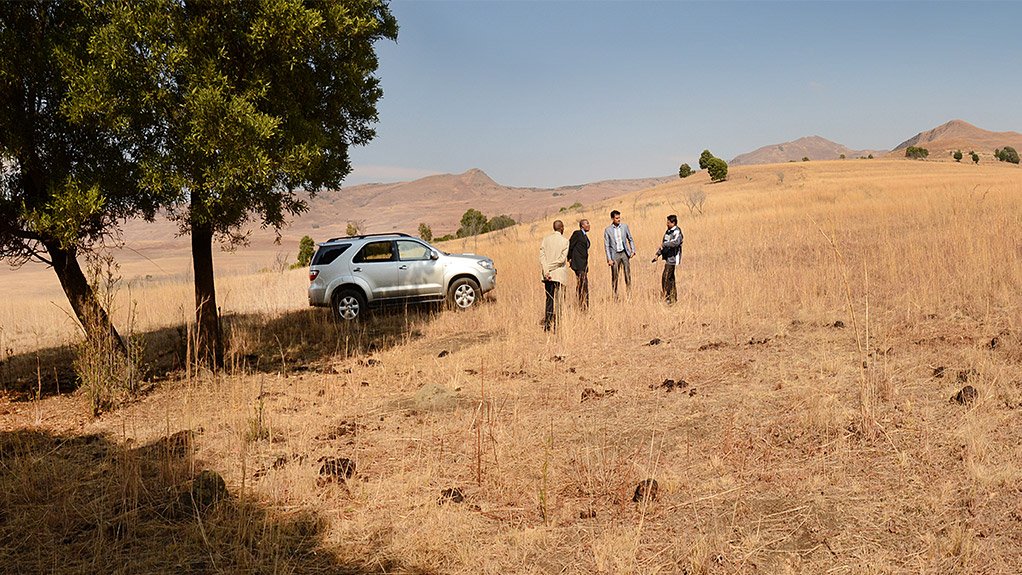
(327, 254)
(408, 250)
(375, 252)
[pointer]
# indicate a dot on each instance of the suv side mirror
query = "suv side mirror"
(433, 255)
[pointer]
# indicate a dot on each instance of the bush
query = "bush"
(717, 169)
(805, 158)
(473, 222)
(306, 247)
(684, 171)
(500, 222)
(1007, 154)
(425, 232)
(957, 155)
(975, 157)
(915, 152)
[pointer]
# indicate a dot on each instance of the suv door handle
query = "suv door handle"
(356, 269)
(404, 267)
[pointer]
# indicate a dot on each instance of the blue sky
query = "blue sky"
(556, 93)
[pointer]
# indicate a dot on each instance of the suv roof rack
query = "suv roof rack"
(363, 236)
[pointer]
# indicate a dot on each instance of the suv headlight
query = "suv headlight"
(487, 264)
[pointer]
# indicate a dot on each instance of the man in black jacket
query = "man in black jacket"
(578, 259)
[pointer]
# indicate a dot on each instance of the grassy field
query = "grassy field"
(828, 313)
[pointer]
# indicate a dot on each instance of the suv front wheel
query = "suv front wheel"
(463, 293)
(349, 305)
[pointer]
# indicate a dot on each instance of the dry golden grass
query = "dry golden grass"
(796, 447)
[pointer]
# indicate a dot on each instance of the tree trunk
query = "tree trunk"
(87, 308)
(209, 346)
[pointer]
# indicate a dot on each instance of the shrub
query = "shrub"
(472, 222)
(684, 171)
(841, 157)
(975, 157)
(805, 158)
(425, 232)
(306, 247)
(914, 152)
(717, 169)
(957, 155)
(500, 222)
(1007, 154)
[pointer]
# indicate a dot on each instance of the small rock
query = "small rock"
(646, 490)
(444, 353)
(654, 341)
(364, 384)
(938, 372)
(451, 495)
(966, 395)
(838, 324)
(208, 489)
(337, 468)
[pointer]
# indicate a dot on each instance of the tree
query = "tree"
(1007, 154)
(500, 222)
(64, 184)
(235, 108)
(805, 158)
(306, 249)
(975, 157)
(425, 232)
(957, 155)
(915, 152)
(684, 171)
(717, 169)
(841, 157)
(704, 159)
(473, 222)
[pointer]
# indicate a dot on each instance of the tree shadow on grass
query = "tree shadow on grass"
(304, 340)
(84, 504)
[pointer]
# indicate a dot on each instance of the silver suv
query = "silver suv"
(348, 274)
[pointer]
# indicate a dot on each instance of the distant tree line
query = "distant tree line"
(916, 152)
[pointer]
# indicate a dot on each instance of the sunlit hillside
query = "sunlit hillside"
(800, 408)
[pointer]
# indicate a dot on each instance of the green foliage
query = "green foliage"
(914, 152)
(841, 157)
(869, 157)
(306, 249)
(445, 238)
(717, 169)
(1007, 154)
(425, 232)
(572, 207)
(975, 157)
(957, 155)
(805, 158)
(704, 159)
(500, 222)
(473, 222)
(684, 171)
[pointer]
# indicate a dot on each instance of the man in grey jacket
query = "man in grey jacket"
(670, 250)
(620, 247)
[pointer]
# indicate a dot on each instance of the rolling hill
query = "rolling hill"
(812, 147)
(960, 135)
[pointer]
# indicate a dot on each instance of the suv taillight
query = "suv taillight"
(313, 274)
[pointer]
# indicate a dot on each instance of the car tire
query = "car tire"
(463, 294)
(349, 305)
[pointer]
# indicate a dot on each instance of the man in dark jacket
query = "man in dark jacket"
(578, 259)
(670, 250)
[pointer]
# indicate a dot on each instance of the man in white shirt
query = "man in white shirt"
(620, 247)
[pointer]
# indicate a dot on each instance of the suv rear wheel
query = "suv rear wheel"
(463, 293)
(349, 305)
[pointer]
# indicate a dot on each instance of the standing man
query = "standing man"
(617, 239)
(670, 250)
(553, 259)
(578, 258)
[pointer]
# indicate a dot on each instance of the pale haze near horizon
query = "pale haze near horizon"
(545, 94)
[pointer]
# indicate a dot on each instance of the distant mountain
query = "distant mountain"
(960, 135)
(439, 202)
(812, 147)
